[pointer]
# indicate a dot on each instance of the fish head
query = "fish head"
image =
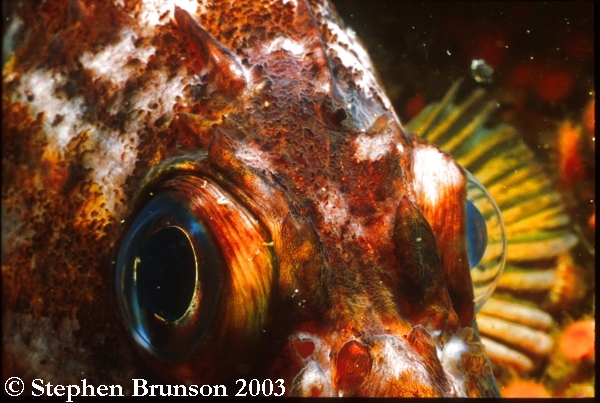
(227, 189)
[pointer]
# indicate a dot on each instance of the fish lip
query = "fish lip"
(434, 360)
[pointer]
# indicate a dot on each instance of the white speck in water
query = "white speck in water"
(481, 71)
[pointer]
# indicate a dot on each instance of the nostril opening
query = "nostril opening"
(353, 364)
(304, 348)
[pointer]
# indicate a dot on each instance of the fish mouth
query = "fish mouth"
(417, 364)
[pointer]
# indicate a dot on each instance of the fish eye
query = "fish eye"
(476, 234)
(166, 273)
(193, 280)
(168, 278)
(486, 240)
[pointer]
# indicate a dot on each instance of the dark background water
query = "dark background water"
(425, 46)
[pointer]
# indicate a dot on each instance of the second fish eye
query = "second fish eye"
(486, 240)
(476, 234)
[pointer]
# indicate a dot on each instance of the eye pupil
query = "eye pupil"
(476, 234)
(166, 273)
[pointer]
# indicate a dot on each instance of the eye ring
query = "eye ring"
(486, 240)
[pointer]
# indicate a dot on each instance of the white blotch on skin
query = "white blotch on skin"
(111, 63)
(451, 356)
(355, 57)
(109, 167)
(372, 148)
(324, 87)
(333, 207)
(356, 228)
(254, 157)
(451, 359)
(433, 173)
(114, 155)
(42, 84)
(396, 358)
(293, 47)
(153, 9)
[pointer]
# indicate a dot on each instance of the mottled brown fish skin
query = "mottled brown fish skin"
(275, 104)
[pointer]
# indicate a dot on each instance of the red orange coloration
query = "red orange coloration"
(577, 342)
(521, 388)
(555, 85)
(343, 237)
(571, 166)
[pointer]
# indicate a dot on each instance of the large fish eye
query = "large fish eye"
(168, 278)
(486, 240)
(194, 277)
